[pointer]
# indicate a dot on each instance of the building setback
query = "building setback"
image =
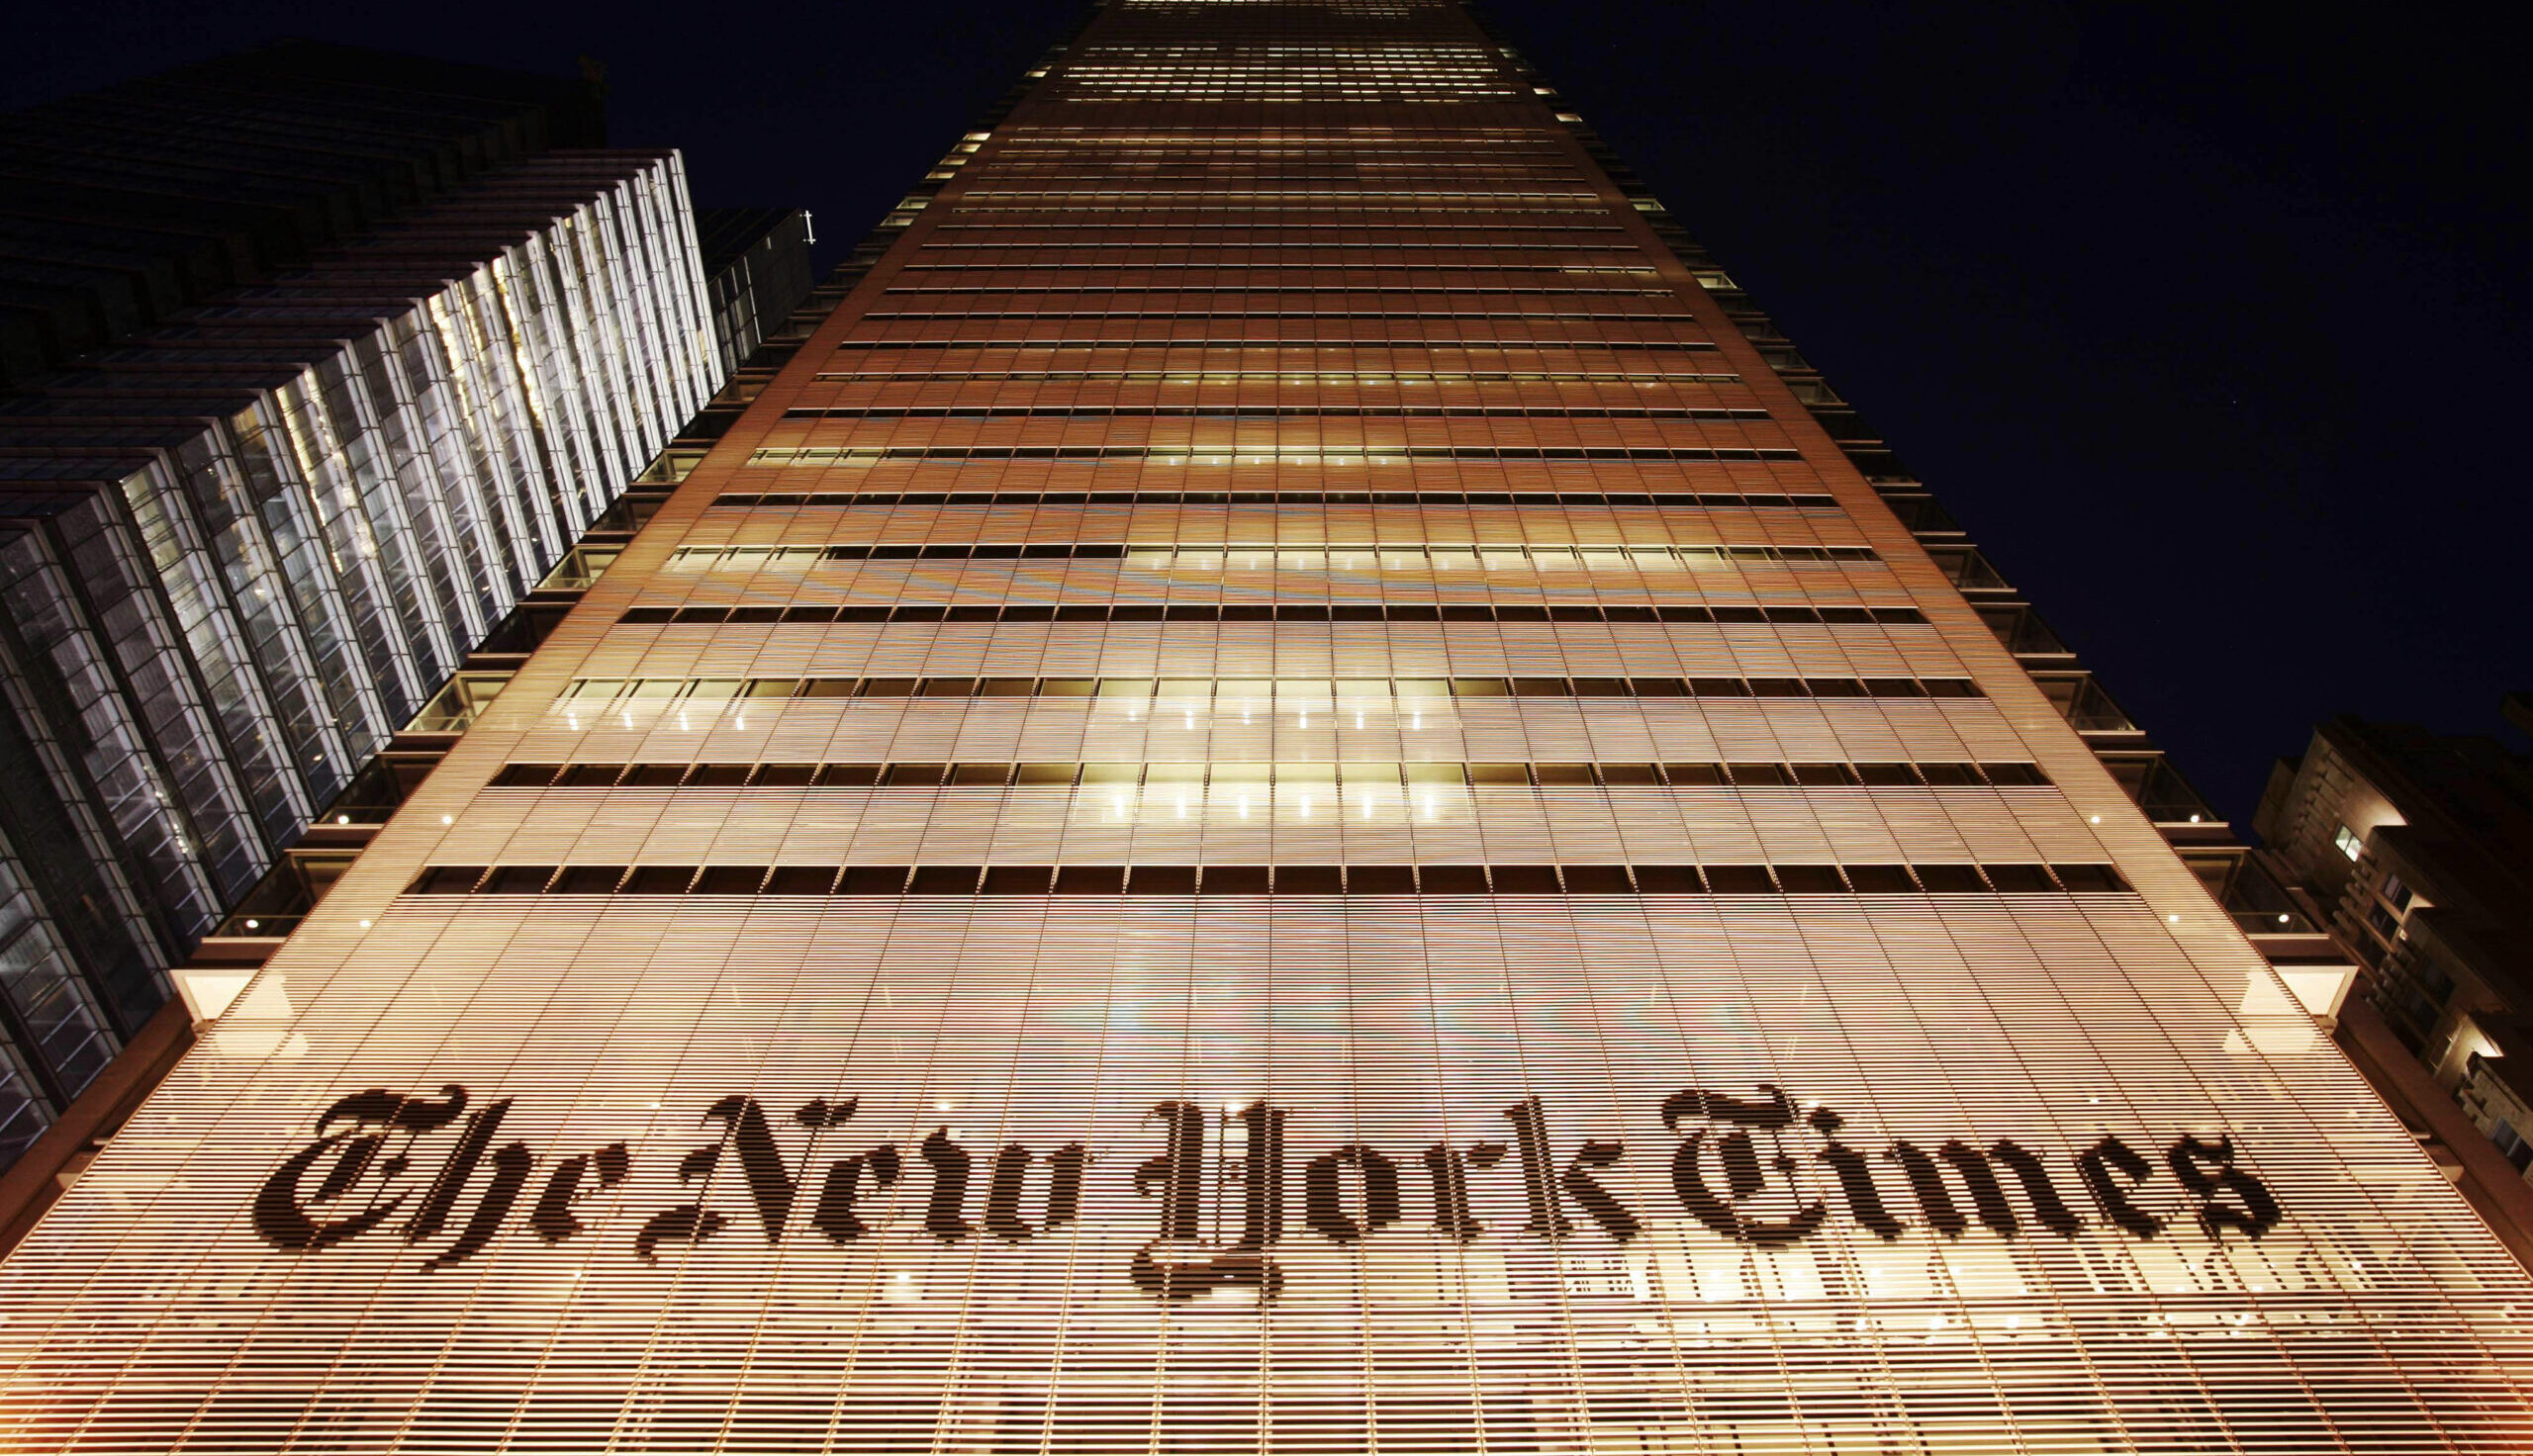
(1278, 796)
(756, 265)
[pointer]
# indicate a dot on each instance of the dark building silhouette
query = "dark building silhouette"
(121, 207)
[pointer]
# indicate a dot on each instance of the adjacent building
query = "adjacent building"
(245, 548)
(1290, 789)
(2417, 849)
(756, 264)
(249, 534)
(120, 208)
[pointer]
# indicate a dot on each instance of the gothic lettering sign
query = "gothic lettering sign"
(1219, 1192)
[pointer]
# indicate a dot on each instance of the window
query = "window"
(2349, 843)
(2511, 1142)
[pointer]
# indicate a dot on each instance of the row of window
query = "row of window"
(1180, 204)
(1191, 315)
(1420, 155)
(1478, 346)
(838, 455)
(1703, 500)
(1319, 774)
(1196, 693)
(1237, 557)
(1265, 879)
(1342, 611)
(1077, 146)
(1281, 280)
(1277, 285)
(1269, 412)
(1263, 223)
(1196, 374)
(1082, 150)
(1260, 230)
(1263, 556)
(1100, 262)
(1310, 253)
(1434, 87)
(1579, 199)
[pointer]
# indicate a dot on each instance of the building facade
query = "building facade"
(2417, 849)
(241, 551)
(258, 534)
(756, 262)
(1278, 796)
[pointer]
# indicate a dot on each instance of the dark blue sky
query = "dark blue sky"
(2206, 325)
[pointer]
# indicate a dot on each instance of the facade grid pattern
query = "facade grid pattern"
(604, 1109)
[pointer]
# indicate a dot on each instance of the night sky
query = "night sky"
(2208, 328)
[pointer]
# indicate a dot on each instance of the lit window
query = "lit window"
(2348, 842)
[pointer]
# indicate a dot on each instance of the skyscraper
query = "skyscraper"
(1278, 796)
(337, 360)
(240, 553)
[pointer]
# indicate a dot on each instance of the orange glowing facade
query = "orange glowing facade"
(1277, 797)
